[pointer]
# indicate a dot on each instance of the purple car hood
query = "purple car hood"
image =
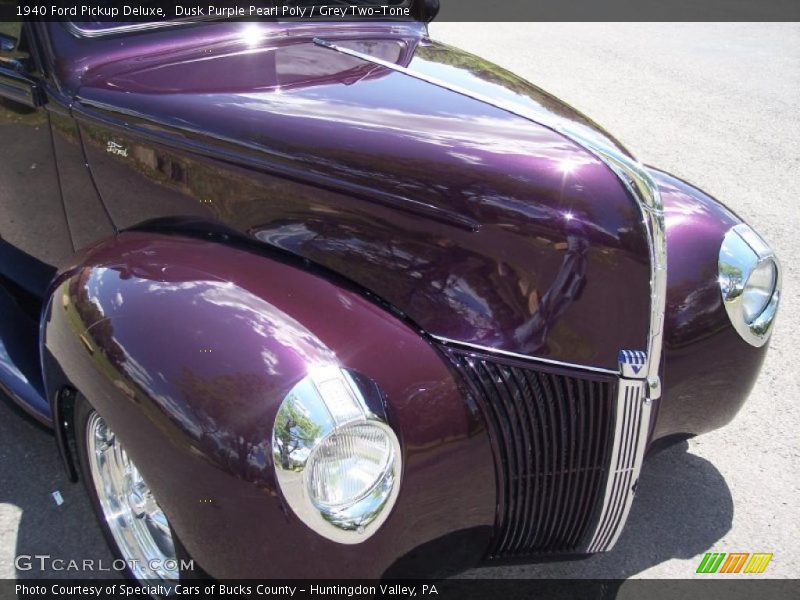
(487, 227)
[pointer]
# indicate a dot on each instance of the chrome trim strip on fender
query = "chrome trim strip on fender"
(635, 395)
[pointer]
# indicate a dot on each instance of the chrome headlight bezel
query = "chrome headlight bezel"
(742, 252)
(329, 401)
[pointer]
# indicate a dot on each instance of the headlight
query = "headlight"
(336, 459)
(758, 290)
(750, 281)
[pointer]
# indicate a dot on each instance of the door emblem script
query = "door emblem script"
(115, 148)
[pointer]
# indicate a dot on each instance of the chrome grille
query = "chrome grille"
(630, 435)
(552, 435)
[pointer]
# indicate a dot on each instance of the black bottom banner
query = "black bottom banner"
(455, 589)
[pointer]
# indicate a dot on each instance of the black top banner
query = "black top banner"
(123, 11)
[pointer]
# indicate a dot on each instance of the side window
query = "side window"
(15, 47)
(12, 30)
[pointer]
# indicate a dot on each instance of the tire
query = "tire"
(135, 528)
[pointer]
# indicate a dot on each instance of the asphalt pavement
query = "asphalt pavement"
(715, 104)
(719, 106)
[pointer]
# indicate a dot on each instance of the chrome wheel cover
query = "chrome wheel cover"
(138, 524)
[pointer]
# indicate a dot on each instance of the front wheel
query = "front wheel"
(135, 527)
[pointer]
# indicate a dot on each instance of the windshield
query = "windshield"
(106, 18)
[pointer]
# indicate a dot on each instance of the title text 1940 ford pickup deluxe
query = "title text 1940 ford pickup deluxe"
(333, 299)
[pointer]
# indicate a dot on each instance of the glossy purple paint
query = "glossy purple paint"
(187, 348)
(709, 369)
(481, 226)
(418, 208)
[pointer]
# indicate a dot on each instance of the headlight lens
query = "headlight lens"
(336, 459)
(750, 281)
(347, 465)
(758, 290)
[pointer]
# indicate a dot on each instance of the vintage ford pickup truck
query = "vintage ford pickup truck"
(332, 299)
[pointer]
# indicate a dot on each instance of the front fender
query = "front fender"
(188, 346)
(709, 369)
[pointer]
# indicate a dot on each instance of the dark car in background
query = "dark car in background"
(332, 299)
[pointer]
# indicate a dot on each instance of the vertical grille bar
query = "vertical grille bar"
(552, 435)
(626, 459)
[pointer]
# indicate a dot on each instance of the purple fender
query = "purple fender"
(188, 346)
(709, 369)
